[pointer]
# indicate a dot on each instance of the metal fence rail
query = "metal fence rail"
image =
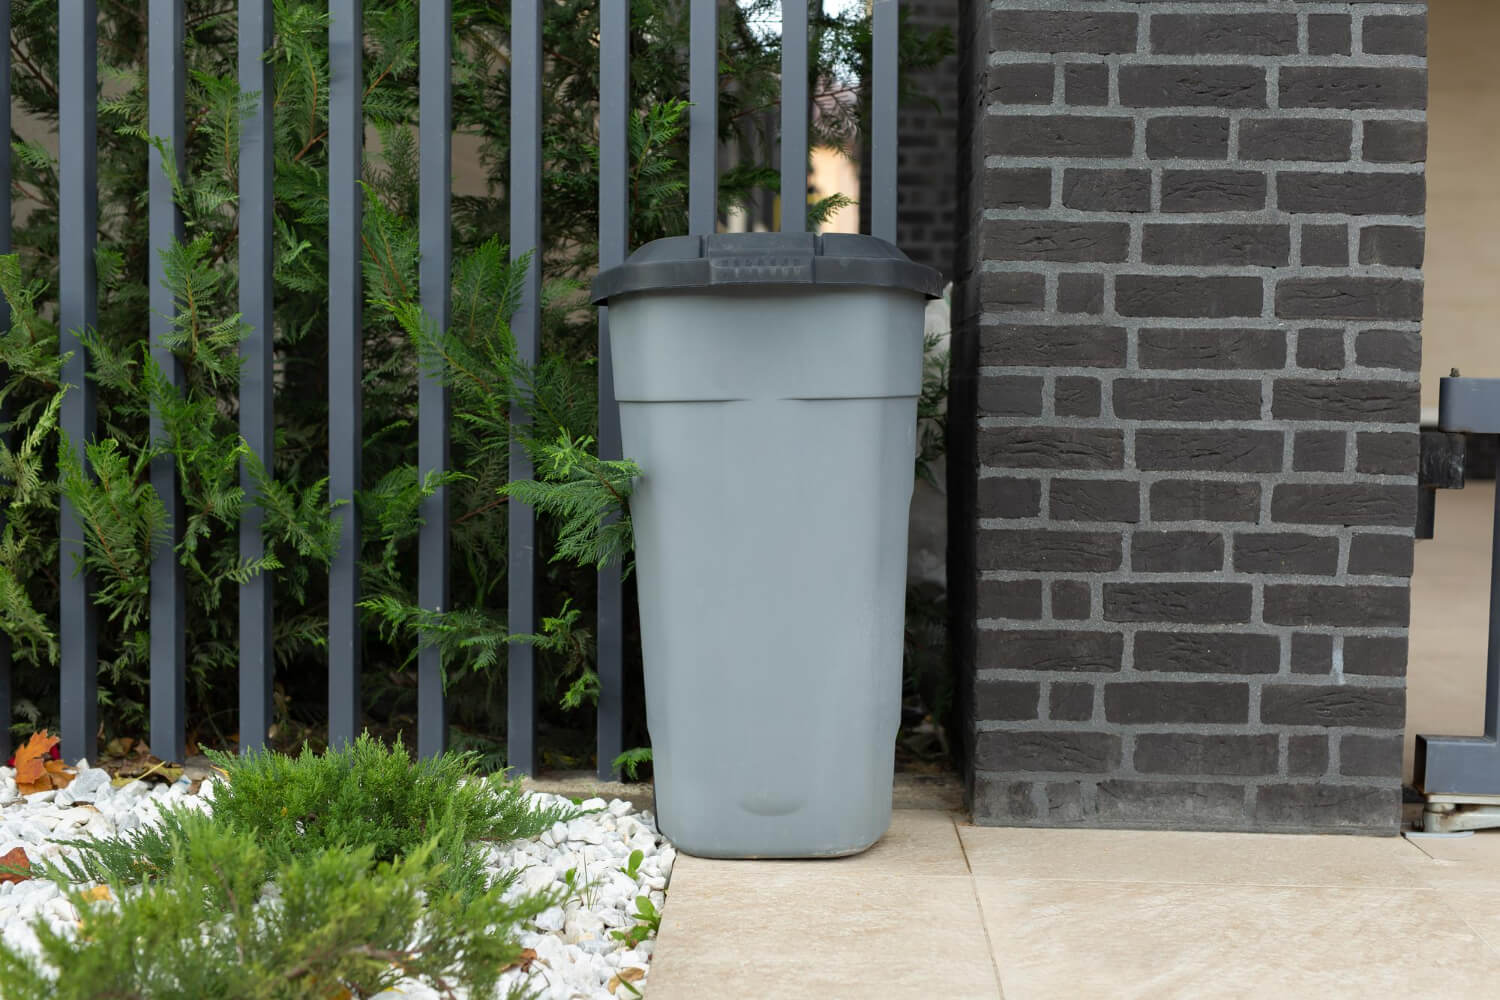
(78, 309)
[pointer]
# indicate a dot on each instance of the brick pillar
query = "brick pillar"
(1185, 410)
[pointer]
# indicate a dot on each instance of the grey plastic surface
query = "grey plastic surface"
(777, 436)
(835, 259)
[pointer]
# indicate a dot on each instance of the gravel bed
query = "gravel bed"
(577, 958)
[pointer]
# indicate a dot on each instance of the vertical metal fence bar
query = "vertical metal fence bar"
(794, 116)
(703, 119)
(166, 90)
(883, 105)
(5, 652)
(525, 238)
(345, 146)
(78, 302)
(436, 238)
(614, 240)
(257, 395)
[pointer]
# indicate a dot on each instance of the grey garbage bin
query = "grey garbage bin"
(767, 386)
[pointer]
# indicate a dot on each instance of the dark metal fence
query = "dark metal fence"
(78, 312)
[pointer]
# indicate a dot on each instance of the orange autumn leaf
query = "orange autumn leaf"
(14, 858)
(629, 974)
(94, 895)
(528, 955)
(31, 758)
(61, 774)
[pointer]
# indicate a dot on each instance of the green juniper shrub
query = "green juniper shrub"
(231, 919)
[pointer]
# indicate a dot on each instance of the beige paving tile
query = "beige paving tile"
(919, 841)
(1102, 940)
(1480, 910)
(1191, 858)
(816, 932)
(1462, 862)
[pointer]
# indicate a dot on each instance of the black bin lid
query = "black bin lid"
(728, 259)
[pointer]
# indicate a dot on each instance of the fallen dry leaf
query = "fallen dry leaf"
(30, 760)
(528, 955)
(14, 858)
(629, 974)
(61, 774)
(95, 894)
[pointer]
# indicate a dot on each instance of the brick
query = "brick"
(1076, 396)
(1063, 650)
(1187, 399)
(1074, 346)
(1095, 500)
(1005, 497)
(1344, 504)
(1194, 753)
(1322, 806)
(1392, 246)
(1214, 652)
(1312, 653)
(1375, 655)
(1197, 603)
(1080, 293)
(1224, 34)
(1189, 86)
(1319, 451)
(1332, 705)
(1394, 35)
(1348, 297)
(1034, 549)
(1204, 500)
(1356, 400)
(1176, 552)
(1380, 555)
(1173, 804)
(1006, 701)
(1387, 454)
(1071, 600)
(1286, 553)
(1086, 85)
(1325, 246)
(1072, 242)
(1370, 756)
(1321, 349)
(1021, 83)
(1353, 88)
(1010, 395)
(1329, 35)
(1188, 137)
(999, 799)
(1306, 756)
(1218, 297)
(1011, 291)
(1351, 193)
(1399, 349)
(1069, 750)
(1020, 600)
(1107, 190)
(1212, 191)
(1349, 607)
(1063, 31)
(1064, 802)
(1199, 702)
(1214, 348)
(1395, 141)
(1316, 139)
(1059, 135)
(1244, 244)
(1017, 187)
(1183, 448)
(1070, 702)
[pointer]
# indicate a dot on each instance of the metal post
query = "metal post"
(525, 237)
(614, 171)
(257, 390)
(5, 650)
(703, 119)
(78, 301)
(168, 626)
(435, 135)
(345, 146)
(883, 119)
(794, 116)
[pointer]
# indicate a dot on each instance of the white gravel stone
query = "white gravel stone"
(576, 949)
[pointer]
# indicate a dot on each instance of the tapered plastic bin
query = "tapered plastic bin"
(768, 387)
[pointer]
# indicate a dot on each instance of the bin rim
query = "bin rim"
(728, 260)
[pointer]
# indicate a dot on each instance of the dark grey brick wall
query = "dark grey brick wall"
(1185, 404)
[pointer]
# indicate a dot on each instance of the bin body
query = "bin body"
(775, 425)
